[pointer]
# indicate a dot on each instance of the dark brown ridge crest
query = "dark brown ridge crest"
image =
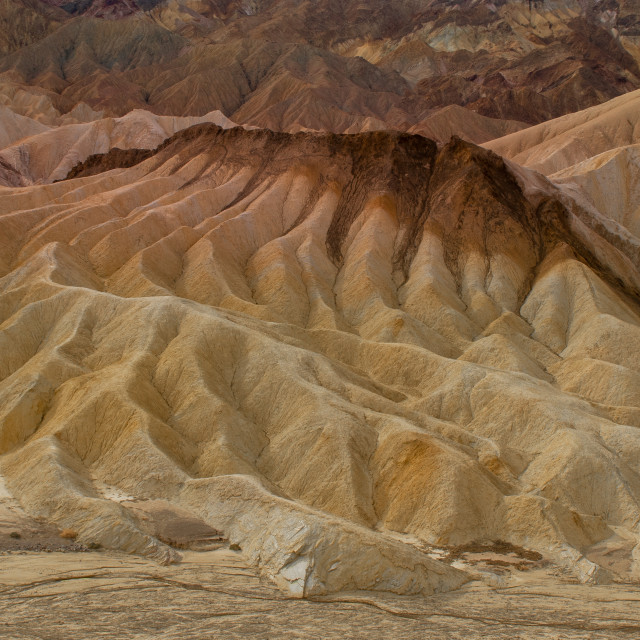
(421, 178)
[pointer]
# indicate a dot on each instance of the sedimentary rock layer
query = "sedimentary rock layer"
(333, 349)
(334, 66)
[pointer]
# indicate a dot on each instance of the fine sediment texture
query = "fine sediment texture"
(341, 352)
(216, 594)
(480, 70)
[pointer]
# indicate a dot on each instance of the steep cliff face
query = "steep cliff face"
(332, 348)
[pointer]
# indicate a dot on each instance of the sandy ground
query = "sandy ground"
(54, 588)
(214, 594)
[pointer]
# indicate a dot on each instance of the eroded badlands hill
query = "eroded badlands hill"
(337, 350)
(561, 143)
(593, 154)
(45, 154)
(344, 66)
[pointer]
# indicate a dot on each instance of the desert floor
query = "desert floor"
(214, 594)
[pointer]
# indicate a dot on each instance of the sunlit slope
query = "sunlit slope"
(318, 342)
(560, 143)
(611, 183)
(44, 154)
(592, 154)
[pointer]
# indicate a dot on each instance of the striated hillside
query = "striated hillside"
(324, 65)
(336, 338)
(592, 154)
(36, 154)
(559, 144)
(24, 22)
(344, 352)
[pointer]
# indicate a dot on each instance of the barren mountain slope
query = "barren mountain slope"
(83, 47)
(43, 105)
(325, 65)
(338, 350)
(611, 183)
(458, 121)
(283, 87)
(14, 127)
(558, 144)
(24, 22)
(592, 154)
(49, 155)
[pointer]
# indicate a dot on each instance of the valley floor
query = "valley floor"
(215, 595)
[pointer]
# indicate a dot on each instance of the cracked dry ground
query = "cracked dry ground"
(215, 594)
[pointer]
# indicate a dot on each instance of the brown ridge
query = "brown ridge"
(466, 192)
